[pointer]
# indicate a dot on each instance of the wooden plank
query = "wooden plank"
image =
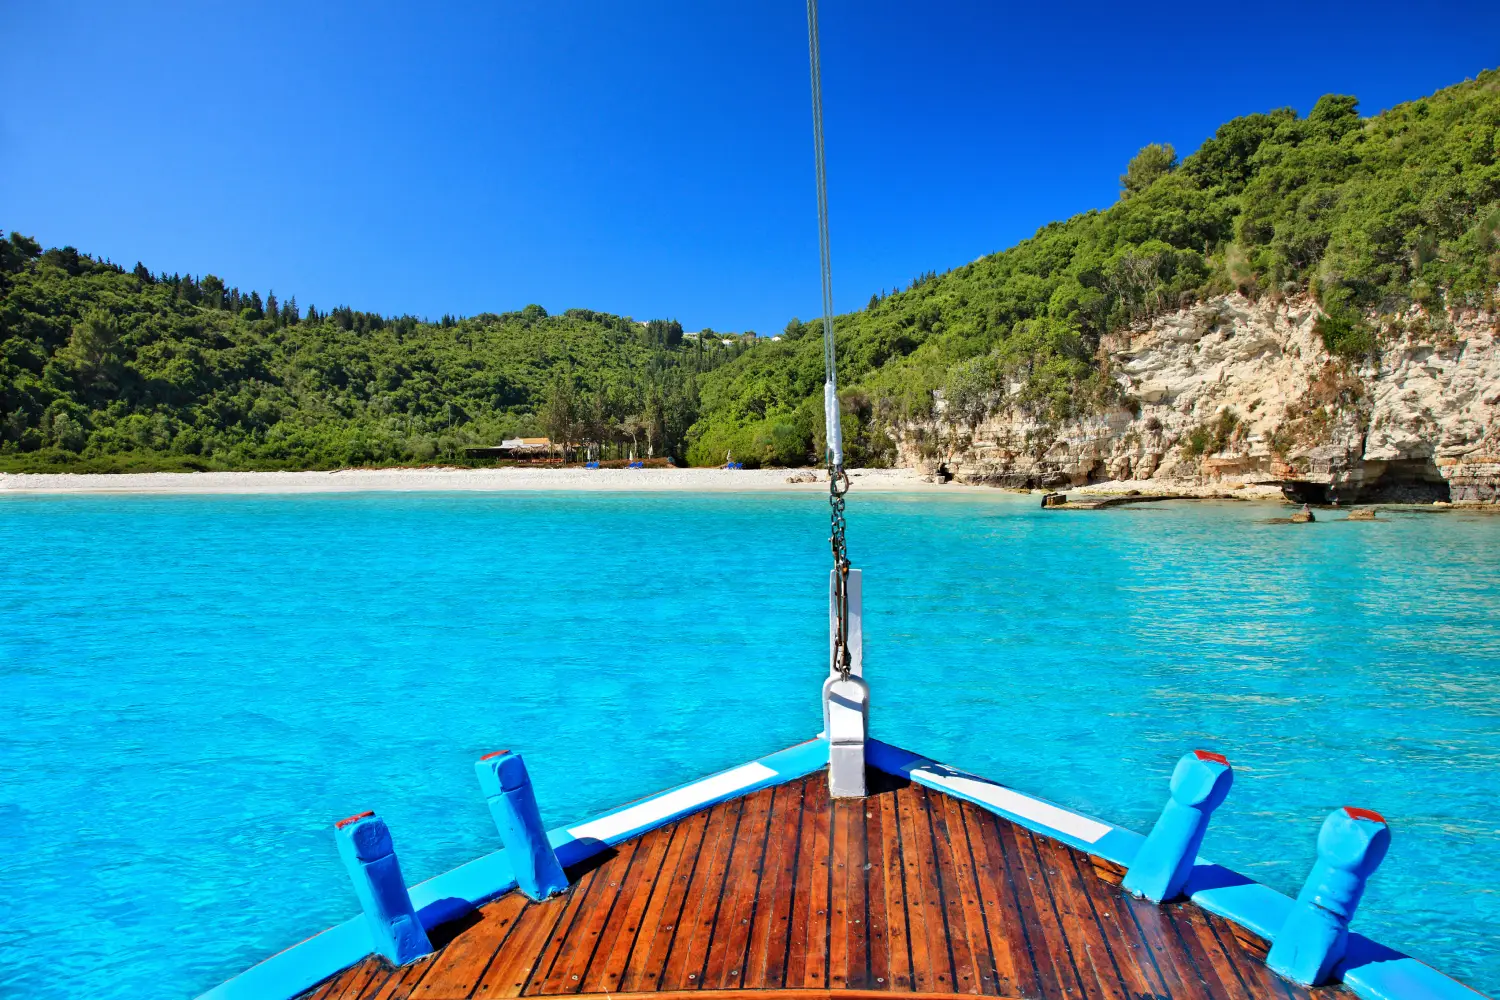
(405, 979)
(539, 963)
(893, 882)
(380, 973)
(1139, 972)
(1069, 975)
(923, 976)
(514, 963)
(334, 986)
(685, 960)
(966, 888)
(659, 927)
(1054, 969)
(1009, 952)
(955, 919)
(857, 909)
(376, 972)
(1249, 961)
(1213, 952)
(1091, 952)
(612, 956)
(565, 974)
(928, 888)
(1181, 916)
(840, 820)
(877, 933)
(814, 802)
(460, 965)
(819, 894)
(341, 984)
(1154, 931)
(771, 925)
(779, 994)
(729, 946)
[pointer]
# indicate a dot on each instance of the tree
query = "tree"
(94, 348)
(1152, 162)
(655, 421)
(559, 415)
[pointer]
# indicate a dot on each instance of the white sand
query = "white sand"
(503, 479)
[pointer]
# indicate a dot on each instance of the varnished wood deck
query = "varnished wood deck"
(908, 891)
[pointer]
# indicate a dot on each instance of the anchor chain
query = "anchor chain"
(838, 485)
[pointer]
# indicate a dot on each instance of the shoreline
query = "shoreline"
(501, 480)
(520, 479)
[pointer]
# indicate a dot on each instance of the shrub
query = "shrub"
(1345, 333)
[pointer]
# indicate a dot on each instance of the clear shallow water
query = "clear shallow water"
(194, 688)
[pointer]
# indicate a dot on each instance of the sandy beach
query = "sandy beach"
(496, 480)
(569, 480)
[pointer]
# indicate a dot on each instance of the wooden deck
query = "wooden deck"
(908, 891)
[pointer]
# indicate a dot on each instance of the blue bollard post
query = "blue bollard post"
(1351, 845)
(365, 845)
(1161, 868)
(507, 786)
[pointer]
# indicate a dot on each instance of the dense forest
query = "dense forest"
(107, 368)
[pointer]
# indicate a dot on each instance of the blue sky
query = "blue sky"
(651, 159)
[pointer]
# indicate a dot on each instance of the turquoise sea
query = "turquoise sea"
(195, 688)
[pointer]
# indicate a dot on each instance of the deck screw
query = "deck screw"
(879, 980)
(692, 975)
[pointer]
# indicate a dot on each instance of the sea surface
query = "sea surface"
(195, 688)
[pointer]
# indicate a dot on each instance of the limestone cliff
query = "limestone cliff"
(1233, 391)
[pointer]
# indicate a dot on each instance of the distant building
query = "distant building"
(513, 448)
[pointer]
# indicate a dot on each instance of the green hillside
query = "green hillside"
(1370, 214)
(106, 369)
(112, 369)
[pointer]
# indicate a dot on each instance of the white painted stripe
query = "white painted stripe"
(664, 806)
(1080, 827)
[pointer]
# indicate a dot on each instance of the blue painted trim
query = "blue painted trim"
(301, 966)
(1371, 970)
(451, 895)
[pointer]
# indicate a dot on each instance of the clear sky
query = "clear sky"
(647, 158)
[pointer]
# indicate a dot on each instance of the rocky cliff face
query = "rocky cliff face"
(1234, 392)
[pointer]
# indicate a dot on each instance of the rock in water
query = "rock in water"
(1362, 514)
(1303, 516)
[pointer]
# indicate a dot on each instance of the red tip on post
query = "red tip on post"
(1355, 812)
(1217, 758)
(353, 819)
(496, 753)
